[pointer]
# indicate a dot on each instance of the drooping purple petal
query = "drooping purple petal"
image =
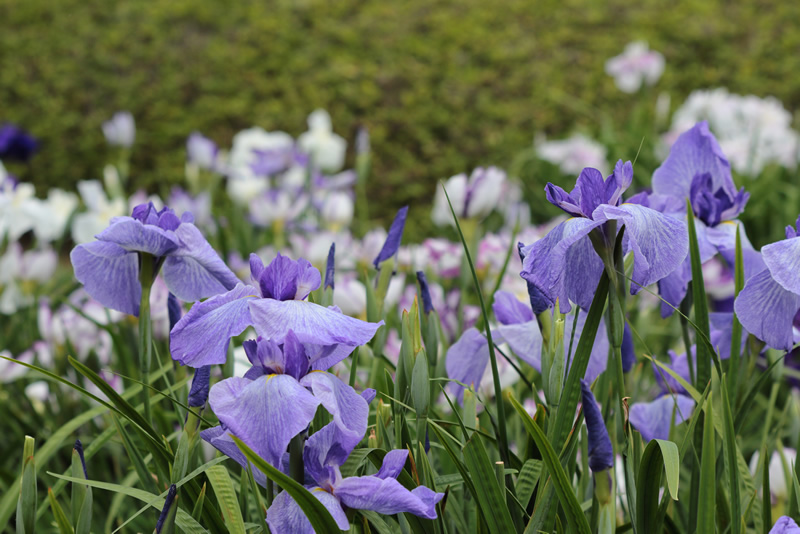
(466, 361)
(369, 395)
(310, 322)
(195, 271)
(598, 359)
(680, 365)
(673, 287)
(564, 264)
(695, 152)
(201, 336)
(308, 279)
(324, 454)
(387, 496)
(349, 409)
(393, 463)
(110, 274)
(256, 268)
(654, 419)
(285, 516)
(783, 261)
(601, 454)
(509, 310)
(767, 310)
(659, 242)
(785, 525)
(393, 238)
(134, 236)
(220, 439)
(525, 339)
(265, 413)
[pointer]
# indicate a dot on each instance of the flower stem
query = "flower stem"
(296, 467)
(146, 276)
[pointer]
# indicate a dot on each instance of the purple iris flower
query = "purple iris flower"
(467, 359)
(654, 419)
(274, 305)
(697, 169)
(323, 455)
(393, 238)
(564, 265)
(539, 301)
(281, 392)
(770, 300)
(202, 151)
(109, 267)
(601, 454)
(16, 143)
(785, 525)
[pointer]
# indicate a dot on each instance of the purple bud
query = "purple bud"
(16, 143)
(173, 491)
(199, 391)
(628, 353)
(601, 454)
(539, 301)
(329, 267)
(174, 310)
(427, 303)
(394, 237)
(79, 448)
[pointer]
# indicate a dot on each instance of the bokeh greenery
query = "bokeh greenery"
(442, 86)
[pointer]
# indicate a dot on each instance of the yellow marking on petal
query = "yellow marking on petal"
(271, 376)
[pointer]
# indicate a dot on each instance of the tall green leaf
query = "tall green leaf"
(731, 460)
(563, 488)
(491, 495)
(226, 497)
(706, 498)
(659, 456)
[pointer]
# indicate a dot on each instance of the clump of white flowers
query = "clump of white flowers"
(637, 65)
(752, 131)
(573, 154)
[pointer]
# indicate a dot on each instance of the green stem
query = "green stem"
(146, 277)
(296, 468)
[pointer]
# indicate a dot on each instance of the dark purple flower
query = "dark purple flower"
(79, 449)
(601, 454)
(329, 267)
(173, 491)
(655, 419)
(539, 301)
(109, 267)
(174, 310)
(425, 291)
(393, 238)
(381, 492)
(564, 265)
(16, 144)
(281, 393)
(628, 352)
(697, 169)
(770, 300)
(199, 391)
(273, 306)
(785, 525)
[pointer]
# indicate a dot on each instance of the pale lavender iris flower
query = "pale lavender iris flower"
(697, 169)
(281, 393)
(564, 265)
(274, 305)
(654, 420)
(323, 455)
(770, 300)
(109, 267)
(785, 525)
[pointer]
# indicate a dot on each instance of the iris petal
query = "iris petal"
(110, 274)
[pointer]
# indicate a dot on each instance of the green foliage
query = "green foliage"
(442, 86)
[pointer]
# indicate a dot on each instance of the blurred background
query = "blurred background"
(442, 86)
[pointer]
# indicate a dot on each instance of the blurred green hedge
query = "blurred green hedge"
(442, 86)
